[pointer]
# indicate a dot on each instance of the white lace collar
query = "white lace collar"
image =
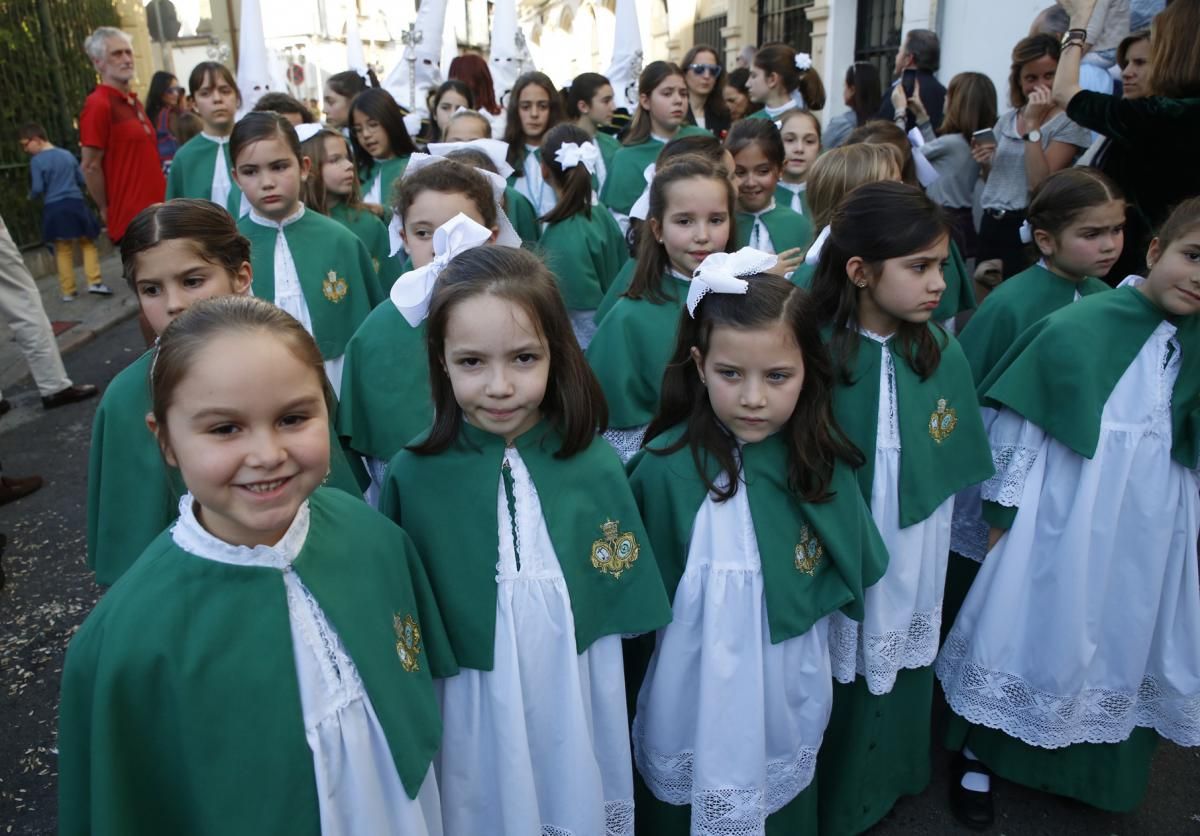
(663, 139)
(192, 537)
(778, 111)
(288, 221)
(220, 140)
(871, 335)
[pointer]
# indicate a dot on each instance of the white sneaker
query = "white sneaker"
(69, 297)
(100, 289)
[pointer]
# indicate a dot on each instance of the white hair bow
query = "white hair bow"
(1026, 232)
(571, 154)
(803, 61)
(496, 150)
(641, 206)
(412, 291)
(814, 252)
(307, 131)
(721, 273)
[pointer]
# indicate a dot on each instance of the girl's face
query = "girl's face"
(269, 174)
(498, 364)
(1037, 73)
(337, 108)
(216, 103)
(695, 222)
(905, 289)
(666, 105)
(600, 108)
(170, 98)
(450, 101)
(848, 95)
(755, 178)
(466, 129)
(428, 211)
(736, 101)
(249, 431)
(801, 145)
(338, 169)
(753, 377)
(533, 108)
(760, 84)
(1136, 75)
(371, 136)
(171, 277)
(1174, 280)
(1090, 245)
(702, 81)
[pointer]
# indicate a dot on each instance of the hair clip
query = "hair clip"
(641, 206)
(412, 291)
(804, 61)
(571, 154)
(722, 272)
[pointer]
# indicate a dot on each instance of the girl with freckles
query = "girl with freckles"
(539, 566)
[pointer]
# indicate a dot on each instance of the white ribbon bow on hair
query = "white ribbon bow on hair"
(803, 61)
(641, 206)
(496, 150)
(307, 130)
(571, 154)
(412, 291)
(721, 272)
(814, 252)
(1026, 232)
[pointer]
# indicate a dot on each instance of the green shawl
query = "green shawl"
(616, 289)
(374, 235)
(626, 175)
(787, 229)
(522, 216)
(387, 173)
(585, 254)
(959, 294)
(192, 170)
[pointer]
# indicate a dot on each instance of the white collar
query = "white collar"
(776, 111)
(220, 140)
(193, 538)
(770, 207)
(288, 221)
(663, 139)
(794, 188)
(679, 274)
(879, 338)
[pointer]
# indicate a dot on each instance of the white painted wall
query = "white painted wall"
(979, 35)
(839, 55)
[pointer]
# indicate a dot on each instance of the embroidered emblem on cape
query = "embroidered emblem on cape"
(408, 642)
(334, 287)
(617, 551)
(942, 422)
(809, 551)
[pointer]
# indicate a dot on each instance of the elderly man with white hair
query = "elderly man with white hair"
(120, 148)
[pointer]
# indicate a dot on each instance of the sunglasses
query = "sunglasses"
(713, 70)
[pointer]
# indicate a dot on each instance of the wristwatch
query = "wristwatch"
(1033, 136)
(1072, 36)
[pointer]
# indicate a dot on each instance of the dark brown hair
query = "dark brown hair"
(32, 130)
(1065, 195)
(1026, 50)
(574, 403)
(348, 83)
(219, 72)
(451, 86)
(654, 74)
(313, 193)
(652, 260)
(378, 104)
(760, 132)
(813, 438)
(513, 133)
(1183, 219)
(886, 132)
(584, 88)
(255, 127)
(1127, 43)
(209, 230)
(972, 105)
(700, 144)
(715, 110)
(1175, 60)
(863, 76)
(781, 60)
(447, 177)
(875, 222)
(574, 184)
(282, 103)
(473, 71)
(209, 320)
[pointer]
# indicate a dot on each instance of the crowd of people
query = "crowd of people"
(531, 473)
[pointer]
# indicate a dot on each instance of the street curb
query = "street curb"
(75, 338)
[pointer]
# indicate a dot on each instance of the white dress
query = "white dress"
(1084, 621)
(903, 610)
(727, 721)
(358, 790)
(539, 745)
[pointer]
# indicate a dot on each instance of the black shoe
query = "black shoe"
(12, 489)
(5, 406)
(972, 809)
(72, 394)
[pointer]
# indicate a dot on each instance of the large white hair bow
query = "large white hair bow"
(722, 272)
(571, 154)
(307, 130)
(803, 61)
(496, 150)
(412, 291)
(814, 252)
(641, 206)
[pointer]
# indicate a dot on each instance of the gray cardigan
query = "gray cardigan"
(950, 155)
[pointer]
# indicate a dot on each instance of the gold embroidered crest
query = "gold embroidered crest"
(942, 422)
(334, 287)
(809, 551)
(408, 642)
(616, 551)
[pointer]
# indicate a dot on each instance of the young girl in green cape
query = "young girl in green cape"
(691, 214)
(748, 489)
(201, 167)
(312, 267)
(781, 79)
(381, 143)
(800, 131)
(589, 105)
(270, 657)
(581, 243)
(534, 107)
(331, 188)
(174, 254)
(661, 113)
(551, 567)
(757, 151)
(1078, 645)
(906, 398)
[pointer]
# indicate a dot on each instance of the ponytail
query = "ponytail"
(575, 183)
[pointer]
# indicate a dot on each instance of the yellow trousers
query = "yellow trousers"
(64, 254)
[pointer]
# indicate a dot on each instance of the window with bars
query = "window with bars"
(708, 31)
(786, 22)
(877, 39)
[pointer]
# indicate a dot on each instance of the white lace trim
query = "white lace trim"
(725, 811)
(192, 537)
(626, 442)
(879, 657)
(618, 820)
(1008, 703)
(338, 672)
(1013, 463)
(968, 534)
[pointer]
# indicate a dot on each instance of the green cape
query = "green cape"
(783, 197)
(192, 170)
(609, 145)
(616, 288)
(336, 275)
(578, 497)
(585, 254)
(630, 351)
(787, 228)
(670, 492)
(959, 294)
(387, 173)
(522, 216)
(374, 235)
(626, 174)
(935, 463)
(1007, 311)
(180, 706)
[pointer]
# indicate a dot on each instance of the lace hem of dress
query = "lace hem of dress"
(879, 657)
(968, 536)
(626, 442)
(1008, 703)
(726, 811)
(618, 820)
(1013, 464)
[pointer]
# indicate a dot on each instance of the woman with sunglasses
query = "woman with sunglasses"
(705, 79)
(162, 106)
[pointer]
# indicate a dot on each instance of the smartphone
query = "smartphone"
(984, 137)
(909, 80)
